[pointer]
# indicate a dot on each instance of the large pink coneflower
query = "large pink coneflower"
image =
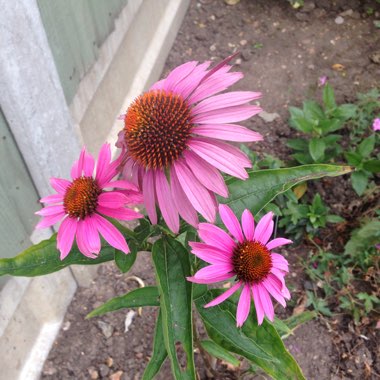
(80, 203)
(246, 254)
(172, 141)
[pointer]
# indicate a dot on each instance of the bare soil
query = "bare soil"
(283, 52)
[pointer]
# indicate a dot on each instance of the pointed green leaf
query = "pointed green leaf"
(147, 296)
(366, 147)
(264, 185)
(171, 261)
(125, 262)
(317, 149)
(328, 97)
(43, 258)
(219, 352)
(359, 181)
(260, 344)
(159, 353)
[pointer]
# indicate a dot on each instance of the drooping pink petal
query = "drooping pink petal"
(233, 150)
(280, 262)
(278, 242)
(207, 174)
(231, 222)
(210, 280)
(60, 185)
(149, 196)
(224, 296)
(182, 203)
(112, 199)
(214, 270)
(266, 302)
(55, 198)
(134, 197)
(110, 233)
(244, 306)
(228, 99)
(82, 239)
(51, 210)
(119, 213)
(65, 236)
(165, 201)
(273, 286)
(104, 159)
(121, 184)
(178, 74)
(209, 253)
(229, 132)
(248, 224)
(280, 276)
(215, 236)
(92, 235)
(259, 307)
(218, 157)
(195, 191)
(48, 221)
(264, 228)
(226, 115)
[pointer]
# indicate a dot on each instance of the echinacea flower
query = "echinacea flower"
(82, 202)
(376, 124)
(172, 144)
(245, 253)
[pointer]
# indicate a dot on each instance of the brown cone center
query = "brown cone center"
(252, 262)
(81, 197)
(157, 127)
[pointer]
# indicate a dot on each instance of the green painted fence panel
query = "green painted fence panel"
(75, 30)
(18, 196)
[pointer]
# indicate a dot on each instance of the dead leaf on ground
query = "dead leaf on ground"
(300, 308)
(338, 67)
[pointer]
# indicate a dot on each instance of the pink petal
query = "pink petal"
(248, 224)
(229, 132)
(231, 222)
(88, 165)
(102, 165)
(133, 197)
(280, 276)
(51, 210)
(278, 242)
(60, 185)
(226, 115)
(182, 203)
(165, 201)
(121, 184)
(259, 307)
(76, 170)
(218, 157)
(48, 221)
(110, 233)
(214, 270)
(119, 213)
(195, 191)
(233, 150)
(273, 286)
(280, 262)
(228, 99)
(207, 175)
(210, 280)
(112, 199)
(149, 196)
(65, 236)
(178, 74)
(215, 236)
(264, 228)
(55, 198)
(224, 296)
(221, 66)
(82, 240)
(244, 306)
(209, 253)
(266, 302)
(158, 85)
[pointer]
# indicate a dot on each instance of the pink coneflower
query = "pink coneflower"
(82, 202)
(172, 141)
(259, 272)
(376, 124)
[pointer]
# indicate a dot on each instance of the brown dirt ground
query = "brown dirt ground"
(283, 52)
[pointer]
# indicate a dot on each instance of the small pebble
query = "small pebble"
(339, 20)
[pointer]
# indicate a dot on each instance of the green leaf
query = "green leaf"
(317, 149)
(297, 144)
(359, 181)
(219, 352)
(124, 262)
(372, 166)
(171, 261)
(353, 158)
(264, 185)
(330, 125)
(345, 111)
(147, 296)
(43, 258)
(159, 353)
(334, 218)
(302, 158)
(298, 120)
(366, 147)
(312, 110)
(328, 97)
(260, 344)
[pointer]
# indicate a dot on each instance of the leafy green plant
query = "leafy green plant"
(319, 123)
